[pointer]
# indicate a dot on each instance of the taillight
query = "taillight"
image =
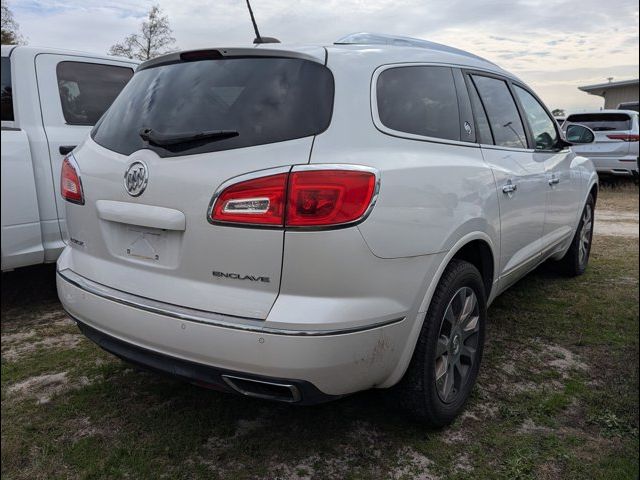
(70, 184)
(328, 197)
(259, 201)
(311, 197)
(624, 137)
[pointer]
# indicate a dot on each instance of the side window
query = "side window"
(482, 122)
(419, 100)
(87, 90)
(6, 96)
(502, 112)
(542, 126)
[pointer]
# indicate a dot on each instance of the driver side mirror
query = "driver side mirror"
(579, 134)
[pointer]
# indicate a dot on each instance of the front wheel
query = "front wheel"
(576, 259)
(447, 357)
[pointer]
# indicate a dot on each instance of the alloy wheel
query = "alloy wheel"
(457, 346)
(585, 235)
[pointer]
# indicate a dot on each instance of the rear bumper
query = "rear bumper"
(622, 166)
(320, 364)
(286, 390)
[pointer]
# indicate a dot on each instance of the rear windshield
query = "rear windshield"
(601, 122)
(230, 103)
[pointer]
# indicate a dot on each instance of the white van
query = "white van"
(50, 100)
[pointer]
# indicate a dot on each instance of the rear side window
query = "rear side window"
(6, 97)
(482, 122)
(602, 122)
(542, 126)
(213, 105)
(87, 90)
(502, 112)
(419, 100)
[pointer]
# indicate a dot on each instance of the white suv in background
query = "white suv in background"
(615, 150)
(301, 223)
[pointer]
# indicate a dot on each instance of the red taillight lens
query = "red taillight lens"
(70, 185)
(328, 197)
(258, 202)
(313, 198)
(624, 137)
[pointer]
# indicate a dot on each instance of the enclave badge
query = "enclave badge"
(136, 178)
(237, 276)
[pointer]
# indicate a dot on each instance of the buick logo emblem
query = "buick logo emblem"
(136, 178)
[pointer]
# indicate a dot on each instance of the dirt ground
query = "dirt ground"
(617, 212)
(557, 396)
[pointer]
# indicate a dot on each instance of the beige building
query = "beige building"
(615, 93)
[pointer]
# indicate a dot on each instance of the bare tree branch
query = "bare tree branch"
(155, 38)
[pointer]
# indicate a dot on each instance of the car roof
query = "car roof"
(371, 50)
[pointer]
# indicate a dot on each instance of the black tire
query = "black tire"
(575, 263)
(418, 390)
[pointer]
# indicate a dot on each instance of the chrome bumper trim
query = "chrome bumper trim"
(199, 316)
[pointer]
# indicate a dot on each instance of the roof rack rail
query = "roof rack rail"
(364, 38)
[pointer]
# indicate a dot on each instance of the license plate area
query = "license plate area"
(147, 244)
(151, 246)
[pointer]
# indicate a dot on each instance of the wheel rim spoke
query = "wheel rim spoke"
(470, 324)
(469, 305)
(469, 353)
(441, 368)
(443, 346)
(447, 384)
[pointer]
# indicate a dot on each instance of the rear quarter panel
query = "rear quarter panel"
(431, 194)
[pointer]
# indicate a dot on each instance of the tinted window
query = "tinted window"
(87, 90)
(264, 100)
(419, 100)
(482, 122)
(542, 126)
(6, 98)
(602, 122)
(504, 118)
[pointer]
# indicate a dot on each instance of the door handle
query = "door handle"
(554, 180)
(66, 149)
(509, 187)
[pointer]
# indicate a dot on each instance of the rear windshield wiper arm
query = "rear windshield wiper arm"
(168, 139)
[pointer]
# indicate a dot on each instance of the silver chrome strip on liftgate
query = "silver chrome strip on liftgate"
(200, 316)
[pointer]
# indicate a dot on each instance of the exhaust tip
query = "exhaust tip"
(280, 392)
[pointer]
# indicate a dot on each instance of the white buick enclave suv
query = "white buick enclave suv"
(301, 223)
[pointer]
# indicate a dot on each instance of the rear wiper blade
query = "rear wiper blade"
(168, 139)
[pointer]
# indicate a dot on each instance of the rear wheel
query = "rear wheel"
(576, 259)
(447, 357)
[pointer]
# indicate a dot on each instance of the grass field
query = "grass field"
(557, 397)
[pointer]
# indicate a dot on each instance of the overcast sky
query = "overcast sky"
(553, 45)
